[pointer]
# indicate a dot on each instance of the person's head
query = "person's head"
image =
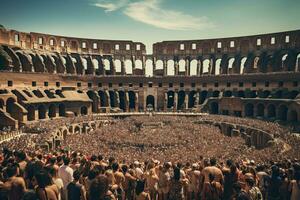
(42, 179)
(124, 168)
(250, 182)
(92, 174)
(52, 171)
(140, 186)
(12, 170)
(233, 169)
(176, 173)
(66, 160)
(93, 158)
(98, 188)
(115, 166)
(229, 163)
(21, 155)
(213, 162)
(52, 160)
(76, 175)
(237, 187)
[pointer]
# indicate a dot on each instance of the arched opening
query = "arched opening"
(128, 67)
(192, 99)
(84, 64)
(271, 111)
(241, 94)
(150, 102)
(282, 112)
(52, 111)
(264, 94)
(38, 93)
(181, 98)
(249, 110)
(30, 113)
(112, 98)
(293, 116)
(251, 94)
(216, 93)
(203, 96)
(218, 66)
(293, 94)
(194, 67)
(170, 99)
(103, 99)
(106, 64)
(83, 110)
(170, 68)
(297, 68)
(243, 61)
(42, 112)
(77, 130)
(181, 65)
(1, 104)
(122, 98)
(131, 95)
(278, 94)
(260, 110)
(206, 66)
(138, 64)
(227, 93)
(62, 110)
(95, 63)
(149, 68)
(283, 59)
(159, 64)
(214, 108)
(118, 66)
(230, 65)
(10, 104)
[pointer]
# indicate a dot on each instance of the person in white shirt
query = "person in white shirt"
(66, 174)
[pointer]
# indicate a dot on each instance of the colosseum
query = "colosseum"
(47, 76)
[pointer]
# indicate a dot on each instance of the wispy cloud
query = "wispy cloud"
(150, 12)
(110, 6)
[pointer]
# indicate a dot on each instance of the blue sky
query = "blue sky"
(151, 21)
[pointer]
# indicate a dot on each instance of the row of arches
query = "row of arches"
(271, 111)
(44, 111)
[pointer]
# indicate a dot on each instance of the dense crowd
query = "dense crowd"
(151, 158)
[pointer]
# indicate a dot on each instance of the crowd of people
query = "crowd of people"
(154, 157)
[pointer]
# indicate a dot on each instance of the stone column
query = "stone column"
(175, 101)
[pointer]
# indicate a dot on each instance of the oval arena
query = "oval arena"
(228, 98)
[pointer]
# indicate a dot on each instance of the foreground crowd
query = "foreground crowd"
(71, 176)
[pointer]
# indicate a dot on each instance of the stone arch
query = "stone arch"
(103, 99)
(227, 93)
(118, 65)
(293, 116)
(150, 102)
(297, 68)
(26, 63)
(84, 63)
(128, 67)
(264, 94)
(171, 68)
(95, 63)
(249, 110)
(10, 105)
(106, 64)
(271, 111)
(52, 111)
(260, 110)
(283, 61)
(1, 104)
(149, 67)
(131, 95)
(216, 93)
(194, 67)
(255, 62)
(159, 64)
(181, 64)
(38, 93)
(83, 110)
(181, 100)
(230, 65)
(170, 99)
(206, 66)
(74, 45)
(203, 96)
(241, 94)
(214, 108)
(282, 112)
(112, 98)
(218, 66)
(122, 100)
(30, 113)
(138, 64)
(77, 129)
(242, 66)
(42, 112)
(293, 94)
(192, 99)
(62, 110)
(278, 94)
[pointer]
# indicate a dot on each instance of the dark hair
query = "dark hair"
(52, 160)
(213, 161)
(98, 188)
(250, 182)
(92, 174)
(76, 175)
(21, 155)
(115, 166)
(66, 160)
(140, 186)
(43, 179)
(11, 169)
(176, 173)
(51, 171)
(237, 187)
(93, 158)
(124, 168)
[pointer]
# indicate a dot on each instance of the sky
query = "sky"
(151, 21)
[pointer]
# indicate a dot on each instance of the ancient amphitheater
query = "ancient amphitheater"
(47, 77)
